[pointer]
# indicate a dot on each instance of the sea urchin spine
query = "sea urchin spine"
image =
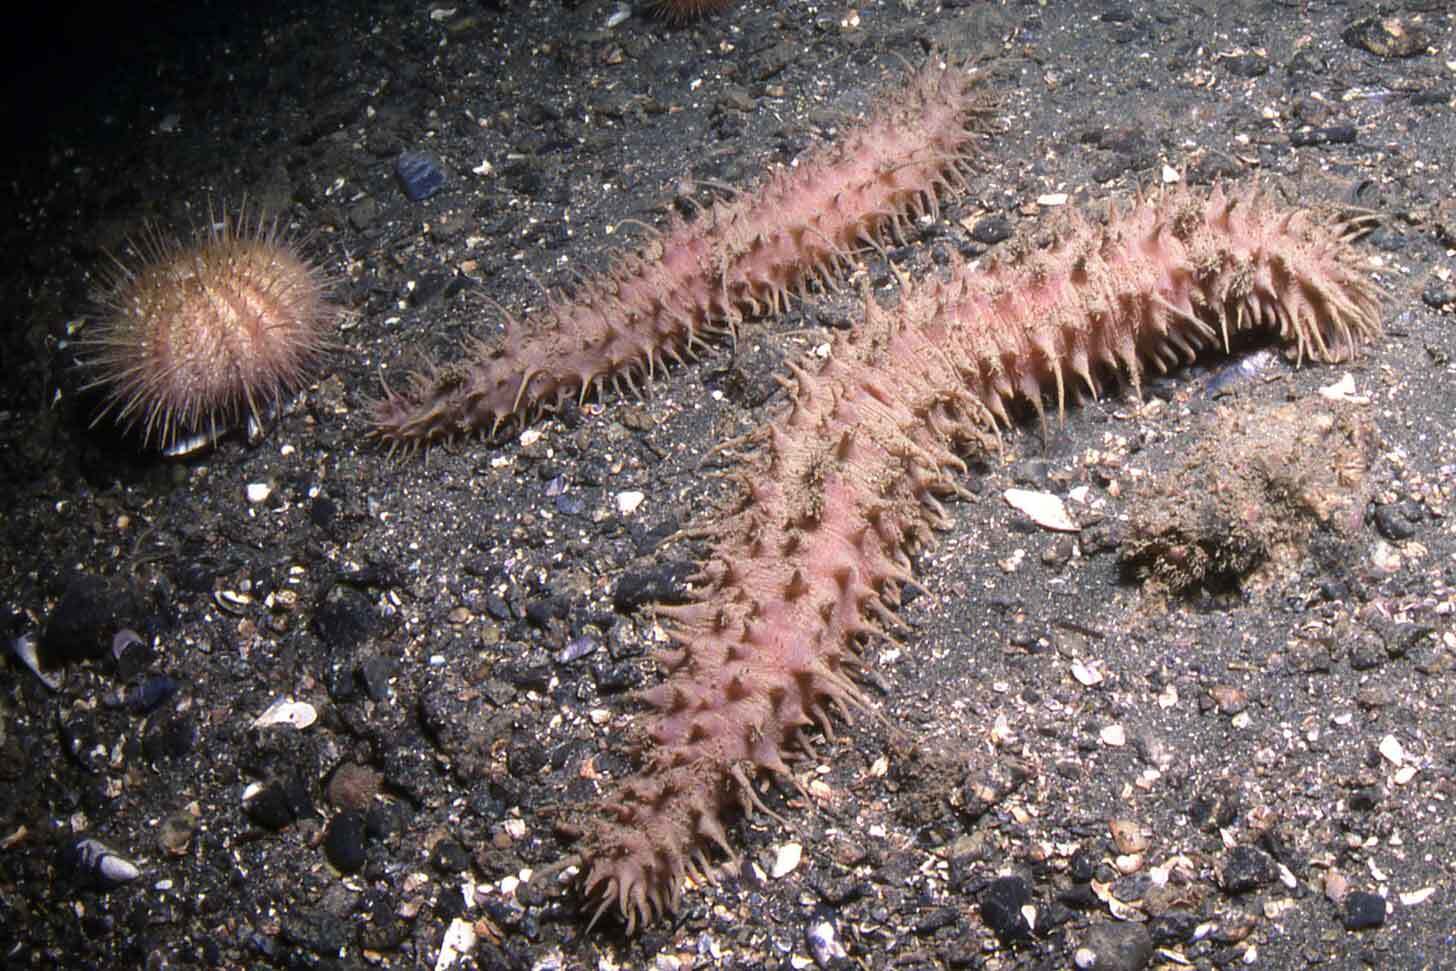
(847, 482)
(699, 278)
(192, 340)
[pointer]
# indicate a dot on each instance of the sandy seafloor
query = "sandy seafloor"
(1274, 741)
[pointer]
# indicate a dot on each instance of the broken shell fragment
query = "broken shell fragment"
(1042, 508)
(286, 711)
(786, 860)
(92, 861)
(24, 649)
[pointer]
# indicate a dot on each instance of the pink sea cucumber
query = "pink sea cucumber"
(847, 481)
(699, 278)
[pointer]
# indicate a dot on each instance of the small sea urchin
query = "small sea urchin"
(193, 340)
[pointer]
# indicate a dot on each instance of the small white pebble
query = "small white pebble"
(259, 492)
(1392, 750)
(1052, 199)
(1170, 175)
(627, 502)
(1114, 736)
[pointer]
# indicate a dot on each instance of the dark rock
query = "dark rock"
(150, 694)
(420, 174)
(279, 804)
(344, 841)
(1439, 295)
(316, 930)
(1388, 37)
(172, 739)
(991, 230)
(1173, 927)
(1329, 135)
(542, 612)
(614, 677)
(450, 857)
(321, 513)
(1247, 868)
(1117, 947)
(1215, 809)
(373, 675)
(1247, 65)
(1001, 905)
(345, 620)
(1397, 521)
(664, 583)
(936, 919)
(1364, 910)
(90, 613)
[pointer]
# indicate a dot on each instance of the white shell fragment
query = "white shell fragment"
(459, 941)
(286, 711)
(1113, 736)
(1086, 675)
(824, 944)
(1042, 508)
(1413, 897)
(24, 649)
(627, 502)
(786, 860)
(258, 492)
(99, 863)
(1344, 390)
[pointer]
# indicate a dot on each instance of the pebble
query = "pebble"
(576, 649)
(352, 786)
(1004, 907)
(277, 804)
(258, 492)
(1391, 750)
(344, 841)
(1247, 868)
(629, 501)
(420, 174)
(1397, 521)
(1115, 947)
(450, 857)
(1387, 37)
(150, 694)
(175, 833)
(1364, 910)
(85, 621)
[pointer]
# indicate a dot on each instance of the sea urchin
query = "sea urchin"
(193, 340)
